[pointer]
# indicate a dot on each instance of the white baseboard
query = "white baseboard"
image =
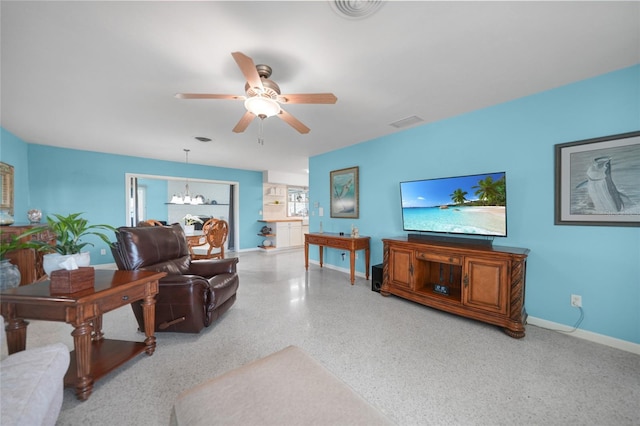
(587, 335)
(336, 268)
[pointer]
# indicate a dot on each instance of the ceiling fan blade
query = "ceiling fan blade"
(293, 122)
(244, 122)
(207, 96)
(249, 70)
(308, 98)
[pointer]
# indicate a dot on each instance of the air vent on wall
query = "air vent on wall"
(406, 122)
(356, 9)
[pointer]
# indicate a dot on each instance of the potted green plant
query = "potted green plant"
(69, 231)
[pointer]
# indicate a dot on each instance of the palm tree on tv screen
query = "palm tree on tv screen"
(458, 196)
(491, 192)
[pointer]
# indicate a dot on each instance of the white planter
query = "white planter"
(51, 262)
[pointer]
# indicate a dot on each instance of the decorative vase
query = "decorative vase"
(5, 218)
(34, 215)
(51, 262)
(9, 275)
(189, 229)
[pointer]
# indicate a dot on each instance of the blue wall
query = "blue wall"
(156, 198)
(58, 180)
(600, 263)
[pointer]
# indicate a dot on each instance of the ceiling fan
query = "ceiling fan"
(263, 96)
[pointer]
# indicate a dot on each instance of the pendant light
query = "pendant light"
(187, 198)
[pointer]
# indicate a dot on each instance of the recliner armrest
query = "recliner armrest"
(212, 267)
(181, 280)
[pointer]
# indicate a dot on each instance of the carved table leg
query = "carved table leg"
(82, 344)
(149, 314)
(97, 334)
(16, 329)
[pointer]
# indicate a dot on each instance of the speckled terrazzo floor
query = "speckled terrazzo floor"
(418, 365)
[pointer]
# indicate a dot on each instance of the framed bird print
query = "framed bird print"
(344, 193)
(597, 181)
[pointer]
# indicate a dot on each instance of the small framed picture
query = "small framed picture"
(6, 187)
(344, 193)
(597, 181)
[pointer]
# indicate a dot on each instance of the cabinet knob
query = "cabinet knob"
(125, 297)
(466, 280)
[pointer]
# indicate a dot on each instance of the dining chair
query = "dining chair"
(215, 233)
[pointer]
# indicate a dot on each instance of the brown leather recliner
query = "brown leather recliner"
(193, 294)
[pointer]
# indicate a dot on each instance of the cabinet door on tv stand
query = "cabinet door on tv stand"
(400, 268)
(486, 284)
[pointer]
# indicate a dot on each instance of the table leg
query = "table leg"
(352, 264)
(306, 256)
(82, 344)
(367, 259)
(16, 329)
(321, 251)
(96, 333)
(149, 314)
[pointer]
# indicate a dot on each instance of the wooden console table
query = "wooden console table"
(94, 356)
(342, 242)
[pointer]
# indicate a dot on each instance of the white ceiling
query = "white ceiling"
(101, 76)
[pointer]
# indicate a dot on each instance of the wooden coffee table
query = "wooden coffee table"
(94, 356)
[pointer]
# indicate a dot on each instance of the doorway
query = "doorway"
(220, 201)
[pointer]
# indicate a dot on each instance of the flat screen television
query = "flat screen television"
(468, 205)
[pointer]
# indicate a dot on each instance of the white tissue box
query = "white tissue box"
(63, 281)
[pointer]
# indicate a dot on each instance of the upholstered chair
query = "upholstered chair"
(193, 294)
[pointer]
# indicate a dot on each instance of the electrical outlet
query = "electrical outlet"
(343, 255)
(103, 251)
(576, 301)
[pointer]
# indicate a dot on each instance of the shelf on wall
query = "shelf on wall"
(191, 205)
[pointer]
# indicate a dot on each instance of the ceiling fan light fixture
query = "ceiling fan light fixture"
(262, 106)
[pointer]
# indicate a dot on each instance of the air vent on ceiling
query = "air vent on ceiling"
(406, 122)
(356, 9)
(203, 139)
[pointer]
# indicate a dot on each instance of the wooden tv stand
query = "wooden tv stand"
(482, 282)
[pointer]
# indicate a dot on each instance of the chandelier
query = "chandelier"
(186, 198)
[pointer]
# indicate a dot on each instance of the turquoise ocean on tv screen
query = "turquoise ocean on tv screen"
(464, 220)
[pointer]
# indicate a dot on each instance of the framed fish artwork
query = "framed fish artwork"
(597, 181)
(344, 193)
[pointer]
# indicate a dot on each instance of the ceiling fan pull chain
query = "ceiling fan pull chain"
(260, 139)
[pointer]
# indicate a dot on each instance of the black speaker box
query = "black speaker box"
(376, 277)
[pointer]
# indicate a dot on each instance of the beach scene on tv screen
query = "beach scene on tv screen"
(463, 205)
